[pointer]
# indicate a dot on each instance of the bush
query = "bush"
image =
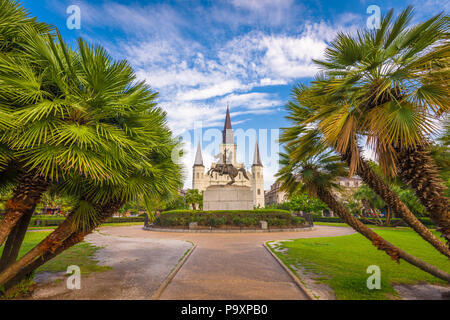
(47, 221)
(243, 218)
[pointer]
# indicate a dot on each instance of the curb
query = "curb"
(172, 275)
(291, 274)
(229, 230)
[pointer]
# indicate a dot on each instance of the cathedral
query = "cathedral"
(201, 180)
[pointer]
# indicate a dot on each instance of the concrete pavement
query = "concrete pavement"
(230, 266)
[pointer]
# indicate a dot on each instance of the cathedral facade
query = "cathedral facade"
(201, 180)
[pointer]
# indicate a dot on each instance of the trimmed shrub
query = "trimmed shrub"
(125, 219)
(47, 221)
(219, 218)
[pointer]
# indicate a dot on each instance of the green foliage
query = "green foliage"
(246, 218)
(408, 197)
(405, 194)
(80, 119)
(365, 193)
(194, 198)
(177, 202)
(281, 206)
(386, 85)
(305, 203)
(23, 289)
(51, 221)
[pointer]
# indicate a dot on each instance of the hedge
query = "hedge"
(229, 218)
(125, 219)
(43, 221)
(425, 220)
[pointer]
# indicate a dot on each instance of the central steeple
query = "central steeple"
(227, 133)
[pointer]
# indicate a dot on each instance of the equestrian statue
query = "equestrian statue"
(227, 169)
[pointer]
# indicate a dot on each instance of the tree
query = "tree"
(100, 138)
(74, 113)
(302, 202)
(15, 27)
(372, 205)
(391, 85)
(194, 198)
(318, 175)
(100, 201)
(311, 115)
(176, 202)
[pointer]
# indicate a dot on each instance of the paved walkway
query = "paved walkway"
(230, 265)
(139, 266)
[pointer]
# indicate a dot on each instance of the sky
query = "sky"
(201, 56)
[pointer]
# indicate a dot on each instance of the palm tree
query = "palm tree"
(314, 121)
(155, 175)
(392, 85)
(318, 175)
(76, 113)
(14, 25)
(194, 198)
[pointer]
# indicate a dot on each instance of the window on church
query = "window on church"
(198, 175)
(259, 192)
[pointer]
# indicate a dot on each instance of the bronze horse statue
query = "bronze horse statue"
(229, 169)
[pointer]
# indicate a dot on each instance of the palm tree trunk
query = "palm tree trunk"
(417, 169)
(73, 239)
(392, 200)
(381, 244)
(14, 242)
(26, 195)
(55, 240)
(388, 217)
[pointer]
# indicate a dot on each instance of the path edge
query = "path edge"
(172, 275)
(291, 274)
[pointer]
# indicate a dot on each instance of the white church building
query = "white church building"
(201, 180)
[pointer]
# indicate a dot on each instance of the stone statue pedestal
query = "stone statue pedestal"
(228, 198)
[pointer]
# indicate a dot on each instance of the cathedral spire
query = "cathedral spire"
(198, 156)
(227, 133)
(227, 120)
(257, 157)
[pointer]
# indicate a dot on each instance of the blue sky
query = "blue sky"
(201, 55)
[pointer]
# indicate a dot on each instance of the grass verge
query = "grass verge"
(80, 255)
(341, 262)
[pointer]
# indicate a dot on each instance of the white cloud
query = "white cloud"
(198, 68)
(260, 5)
(218, 89)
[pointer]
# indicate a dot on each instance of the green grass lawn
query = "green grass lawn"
(80, 255)
(331, 224)
(341, 262)
(341, 224)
